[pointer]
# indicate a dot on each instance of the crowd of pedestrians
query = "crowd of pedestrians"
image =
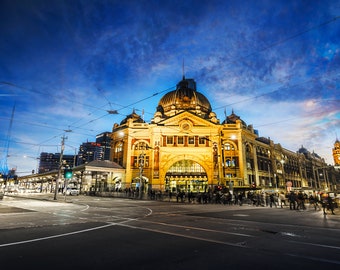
(294, 200)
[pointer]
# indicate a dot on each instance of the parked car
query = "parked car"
(72, 191)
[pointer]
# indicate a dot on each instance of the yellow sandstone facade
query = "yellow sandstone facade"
(186, 148)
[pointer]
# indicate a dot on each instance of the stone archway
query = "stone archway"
(187, 176)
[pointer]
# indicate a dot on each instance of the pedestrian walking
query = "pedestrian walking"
(272, 200)
(282, 198)
(328, 204)
(313, 201)
(301, 201)
(292, 200)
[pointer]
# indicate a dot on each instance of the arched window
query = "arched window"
(141, 146)
(186, 166)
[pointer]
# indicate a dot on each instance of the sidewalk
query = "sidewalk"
(38, 196)
(165, 199)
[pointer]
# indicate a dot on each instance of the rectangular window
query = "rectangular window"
(135, 161)
(191, 140)
(201, 140)
(180, 140)
(169, 140)
(146, 161)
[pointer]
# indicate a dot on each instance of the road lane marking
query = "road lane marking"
(65, 234)
(54, 236)
(73, 233)
(195, 228)
(185, 236)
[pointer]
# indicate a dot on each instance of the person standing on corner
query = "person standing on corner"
(292, 200)
(330, 204)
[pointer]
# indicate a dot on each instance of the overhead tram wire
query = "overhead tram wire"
(127, 106)
(40, 92)
(73, 101)
(41, 144)
(40, 125)
(155, 94)
(49, 94)
(93, 120)
(109, 112)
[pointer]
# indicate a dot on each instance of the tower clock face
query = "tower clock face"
(186, 126)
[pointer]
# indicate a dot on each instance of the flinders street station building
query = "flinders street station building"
(185, 148)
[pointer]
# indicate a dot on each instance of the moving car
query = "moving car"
(72, 191)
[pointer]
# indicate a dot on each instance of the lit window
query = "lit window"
(169, 140)
(201, 140)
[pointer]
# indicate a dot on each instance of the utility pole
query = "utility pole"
(60, 166)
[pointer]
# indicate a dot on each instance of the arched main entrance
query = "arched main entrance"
(186, 175)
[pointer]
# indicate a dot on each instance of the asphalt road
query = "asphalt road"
(98, 233)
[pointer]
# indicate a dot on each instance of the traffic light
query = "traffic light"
(68, 173)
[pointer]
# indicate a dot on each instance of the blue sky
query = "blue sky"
(63, 64)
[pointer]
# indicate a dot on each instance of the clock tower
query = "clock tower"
(336, 153)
